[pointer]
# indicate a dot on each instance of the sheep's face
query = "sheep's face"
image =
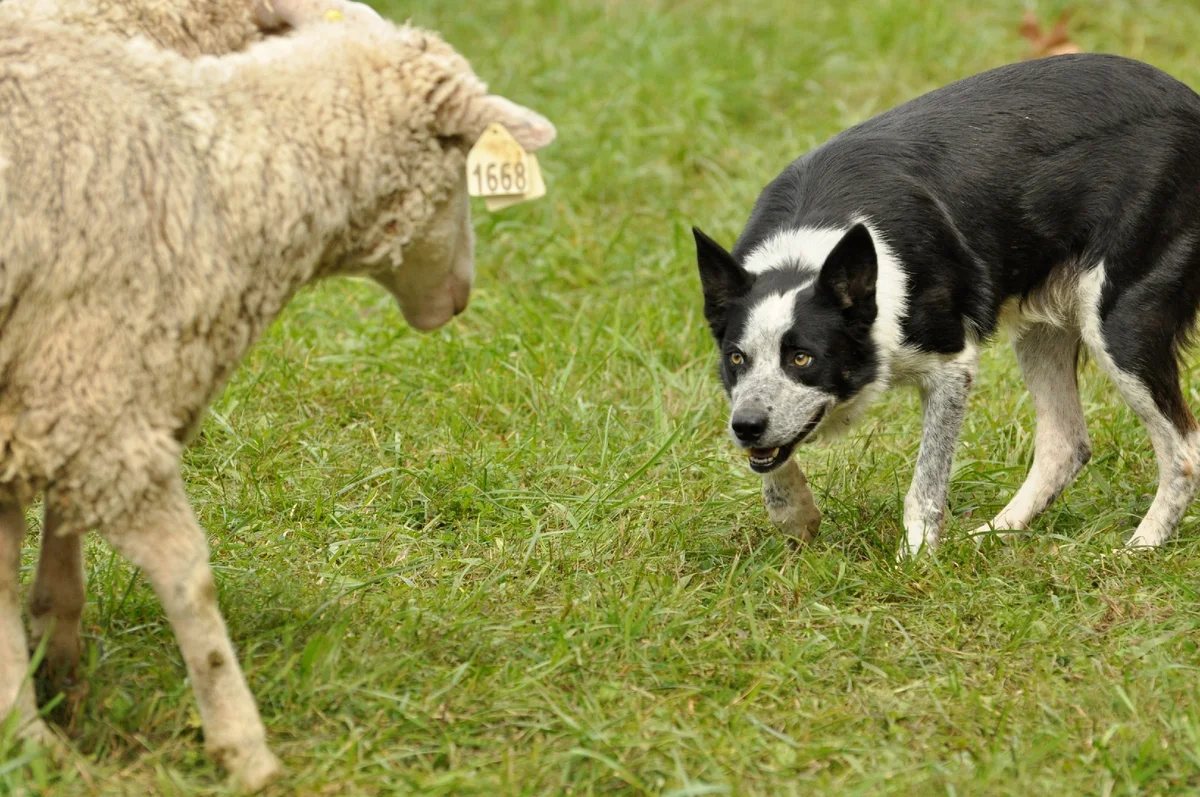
(431, 279)
(422, 241)
(412, 232)
(436, 262)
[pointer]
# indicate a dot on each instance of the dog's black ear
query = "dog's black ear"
(848, 276)
(723, 279)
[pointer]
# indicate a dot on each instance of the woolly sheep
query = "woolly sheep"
(153, 221)
(189, 27)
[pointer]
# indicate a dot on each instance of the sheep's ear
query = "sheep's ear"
(275, 14)
(529, 127)
(463, 109)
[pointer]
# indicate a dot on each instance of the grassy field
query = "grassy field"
(518, 555)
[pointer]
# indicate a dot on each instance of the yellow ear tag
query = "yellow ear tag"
(333, 15)
(501, 171)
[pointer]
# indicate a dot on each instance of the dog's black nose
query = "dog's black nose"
(749, 424)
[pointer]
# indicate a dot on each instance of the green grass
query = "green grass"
(518, 556)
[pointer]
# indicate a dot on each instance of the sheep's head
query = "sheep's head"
(414, 236)
(421, 241)
(423, 252)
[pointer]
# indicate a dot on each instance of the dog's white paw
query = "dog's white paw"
(1133, 550)
(910, 551)
(920, 536)
(1126, 551)
(1143, 542)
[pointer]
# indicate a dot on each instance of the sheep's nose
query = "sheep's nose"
(749, 424)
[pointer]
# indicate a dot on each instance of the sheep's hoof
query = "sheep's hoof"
(61, 661)
(250, 768)
(59, 670)
(57, 675)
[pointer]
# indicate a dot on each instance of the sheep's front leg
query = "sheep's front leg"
(56, 601)
(167, 543)
(789, 502)
(16, 689)
(944, 401)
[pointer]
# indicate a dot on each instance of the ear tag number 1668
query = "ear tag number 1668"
(499, 179)
(497, 165)
(501, 171)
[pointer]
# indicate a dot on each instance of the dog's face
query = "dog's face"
(795, 342)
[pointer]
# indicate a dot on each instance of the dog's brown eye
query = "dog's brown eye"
(736, 358)
(801, 360)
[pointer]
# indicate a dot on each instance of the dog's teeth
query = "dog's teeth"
(764, 457)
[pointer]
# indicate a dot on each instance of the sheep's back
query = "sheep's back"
(189, 27)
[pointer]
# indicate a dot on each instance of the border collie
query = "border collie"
(1059, 198)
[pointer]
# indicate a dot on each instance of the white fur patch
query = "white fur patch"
(766, 325)
(805, 248)
(1056, 302)
(891, 297)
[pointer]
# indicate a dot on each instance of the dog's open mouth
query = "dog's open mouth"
(765, 460)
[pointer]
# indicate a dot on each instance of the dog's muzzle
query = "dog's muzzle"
(765, 460)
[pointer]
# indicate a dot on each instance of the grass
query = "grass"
(517, 556)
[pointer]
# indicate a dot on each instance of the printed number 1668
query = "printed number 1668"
(497, 176)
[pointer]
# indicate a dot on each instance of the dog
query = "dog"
(1058, 198)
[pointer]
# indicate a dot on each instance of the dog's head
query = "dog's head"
(795, 340)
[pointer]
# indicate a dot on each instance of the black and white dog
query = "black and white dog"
(1057, 197)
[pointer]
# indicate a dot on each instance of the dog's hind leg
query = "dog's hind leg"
(789, 502)
(1137, 350)
(1048, 358)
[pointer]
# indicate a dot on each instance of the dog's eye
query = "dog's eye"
(801, 360)
(736, 358)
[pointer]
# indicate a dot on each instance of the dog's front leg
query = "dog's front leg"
(944, 402)
(789, 502)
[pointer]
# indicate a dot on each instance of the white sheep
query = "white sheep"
(156, 213)
(189, 27)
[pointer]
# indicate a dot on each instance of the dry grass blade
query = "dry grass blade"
(1055, 41)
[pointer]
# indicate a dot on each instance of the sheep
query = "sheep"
(154, 218)
(189, 27)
